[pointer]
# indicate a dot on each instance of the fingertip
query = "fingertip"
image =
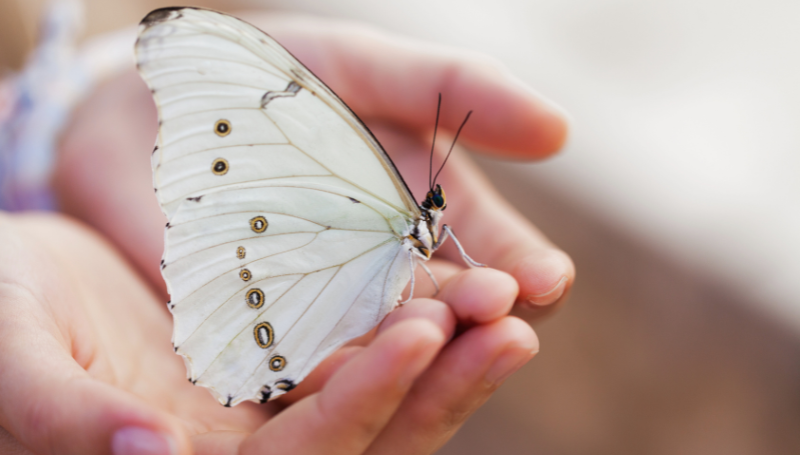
(480, 295)
(523, 336)
(544, 276)
(140, 430)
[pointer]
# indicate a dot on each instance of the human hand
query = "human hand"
(86, 365)
(104, 178)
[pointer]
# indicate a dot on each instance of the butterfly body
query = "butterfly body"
(290, 231)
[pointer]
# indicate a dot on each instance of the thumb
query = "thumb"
(50, 405)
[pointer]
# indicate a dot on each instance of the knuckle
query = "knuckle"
(444, 418)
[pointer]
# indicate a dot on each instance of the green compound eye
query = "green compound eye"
(438, 200)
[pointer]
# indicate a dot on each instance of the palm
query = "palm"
(106, 320)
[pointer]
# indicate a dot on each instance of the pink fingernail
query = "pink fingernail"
(550, 296)
(508, 364)
(141, 441)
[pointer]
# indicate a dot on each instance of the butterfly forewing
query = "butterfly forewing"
(286, 218)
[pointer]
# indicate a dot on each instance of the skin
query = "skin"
(85, 358)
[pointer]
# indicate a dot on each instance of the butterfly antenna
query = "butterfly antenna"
(435, 128)
(451, 147)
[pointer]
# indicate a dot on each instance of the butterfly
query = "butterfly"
(290, 231)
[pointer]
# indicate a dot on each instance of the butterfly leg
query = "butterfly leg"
(430, 275)
(411, 264)
(447, 232)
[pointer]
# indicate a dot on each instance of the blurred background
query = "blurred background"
(677, 196)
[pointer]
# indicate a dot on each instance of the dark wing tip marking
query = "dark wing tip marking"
(160, 15)
(175, 348)
(228, 404)
(162, 266)
(285, 385)
(265, 394)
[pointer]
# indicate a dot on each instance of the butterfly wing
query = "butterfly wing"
(287, 220)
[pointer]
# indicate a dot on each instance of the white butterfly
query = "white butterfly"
(290, 230)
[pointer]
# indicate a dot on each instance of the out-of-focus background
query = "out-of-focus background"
(678, 196)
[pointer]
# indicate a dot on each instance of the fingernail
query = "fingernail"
(508, 364)
(141, 441)
(550, 296)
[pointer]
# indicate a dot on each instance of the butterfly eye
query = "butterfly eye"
(438, 201)
(222, 128)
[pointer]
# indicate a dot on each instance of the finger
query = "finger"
(10, 446)
(317, 379)
(60, 410)
(218, 442)
(480, 295)
(463, 377)
(48, 402)
(398, 79)
(494, 233)
(442, 270)
(356, 403)
(103, 174)
(432, 310)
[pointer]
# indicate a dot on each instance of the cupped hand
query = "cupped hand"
(86, 366)
(405, 391)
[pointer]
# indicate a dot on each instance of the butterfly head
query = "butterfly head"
(435, 200)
